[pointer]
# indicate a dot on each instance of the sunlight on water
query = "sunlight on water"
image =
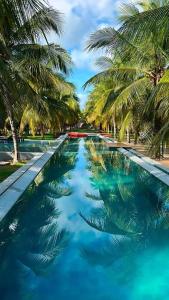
(93, 225)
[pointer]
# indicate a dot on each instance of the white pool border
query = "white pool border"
(150, 160)
(14, 186)
(150, 165)
(162, 176)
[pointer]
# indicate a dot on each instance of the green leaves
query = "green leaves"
(34, 72)
(132, 93)
(136, 61)
(127, 10)
(27, 20)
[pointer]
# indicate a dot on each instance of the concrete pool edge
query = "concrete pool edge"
(150, 161)
(159, 174)
(14, 186)
(148, 164)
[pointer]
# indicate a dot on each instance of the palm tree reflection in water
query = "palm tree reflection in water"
(134, 211)
(29, 235)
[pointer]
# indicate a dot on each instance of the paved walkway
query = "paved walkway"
(140, 148)
(143, 149)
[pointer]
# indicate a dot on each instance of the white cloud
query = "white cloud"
(81, 18)
(83, 98)
(84, 60)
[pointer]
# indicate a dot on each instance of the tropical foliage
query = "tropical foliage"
(30, 72)
(56, 110)
(131, 92)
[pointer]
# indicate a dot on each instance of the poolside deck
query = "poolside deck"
(117, 145)
(143, 149)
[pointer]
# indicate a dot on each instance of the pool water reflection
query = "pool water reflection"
(93, 225)
(29, 146)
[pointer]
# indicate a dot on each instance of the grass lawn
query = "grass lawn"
(47, 137)
(7, 170)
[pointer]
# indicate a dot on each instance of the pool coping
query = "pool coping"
(5, 184)
(150, 161)
(14, 186)
(159, 174)
(150, 165)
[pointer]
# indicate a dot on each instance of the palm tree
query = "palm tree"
(139, 60)
(58, 106)
(26, 65)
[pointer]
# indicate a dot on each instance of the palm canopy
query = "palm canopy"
(27, 67)
(55, 109)
(28, 18)
(137, 60)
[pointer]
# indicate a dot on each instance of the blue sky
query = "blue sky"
(83, 17)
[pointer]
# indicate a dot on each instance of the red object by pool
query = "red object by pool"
(76, 134)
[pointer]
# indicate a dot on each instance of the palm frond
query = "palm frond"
(119, 73)
(141, 25)
(36, 26)
(136, 89)
(127, 10)
(51, 55)
(104, 62)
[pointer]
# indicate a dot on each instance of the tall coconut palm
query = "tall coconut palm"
(24, 63)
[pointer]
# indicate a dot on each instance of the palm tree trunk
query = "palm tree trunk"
(135, 138)
(8, 107)
(136, 135)
(42, 131)
(13, 130)
(162, 149)
(15, 141)
(128, 135)
(114, 129)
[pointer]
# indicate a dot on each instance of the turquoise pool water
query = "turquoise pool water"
(29, 146)
(93, 225)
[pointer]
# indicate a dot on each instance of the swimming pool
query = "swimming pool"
(29, 146)
(93, 225)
